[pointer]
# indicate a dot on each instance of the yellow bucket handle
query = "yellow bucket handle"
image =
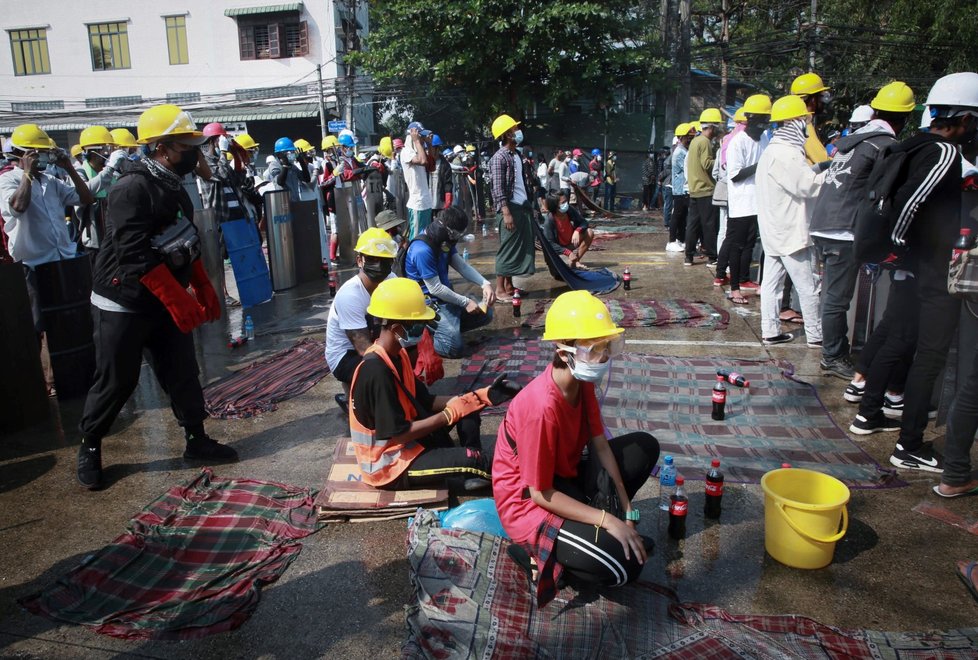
(801, 532)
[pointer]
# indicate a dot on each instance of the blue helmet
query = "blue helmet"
(446, 153)
(595, 152)
(283, 144)
(346, 140)
(435, 140)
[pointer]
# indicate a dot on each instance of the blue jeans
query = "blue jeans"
(453, 322)
(838, 287)
(667, 203)
(609, 196)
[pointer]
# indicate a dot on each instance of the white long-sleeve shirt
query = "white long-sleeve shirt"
(743, 152)
(786, 188)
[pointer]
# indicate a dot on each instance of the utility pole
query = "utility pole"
(724, 45)
(813, 36)
(683, 59)
(352, 43)
(322, 104)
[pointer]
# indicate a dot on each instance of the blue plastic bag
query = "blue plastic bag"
(474, 516)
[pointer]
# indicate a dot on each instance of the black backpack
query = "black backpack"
(877, 217)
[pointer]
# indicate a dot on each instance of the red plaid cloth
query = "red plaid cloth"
(548, 568)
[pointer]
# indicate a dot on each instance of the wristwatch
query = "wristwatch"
(633, 515)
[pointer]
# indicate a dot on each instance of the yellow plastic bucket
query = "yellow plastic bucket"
(803, 510)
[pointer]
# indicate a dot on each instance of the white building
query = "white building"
(249, 63)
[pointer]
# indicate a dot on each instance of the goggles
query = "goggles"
(595, 351)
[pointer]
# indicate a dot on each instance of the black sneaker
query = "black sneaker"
(841, 367)
(924, 458)
(783, 338)
(877, 423)
(90, 466)
(854, 393)
(892, 408)
(208, 449)
(343, 401)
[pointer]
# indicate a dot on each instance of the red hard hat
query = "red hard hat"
(398, 143)
(214, 128)
(577, 152)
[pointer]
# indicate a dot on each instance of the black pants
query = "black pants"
(120, 338)
(443, 463)
(601, 560)
(738, 250)
(889, 352)
(680, 213)
(648, 199)
(840, 271)
(347, 366)
(938, 318)
(704, 220)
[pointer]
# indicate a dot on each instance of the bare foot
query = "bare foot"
(970, 488)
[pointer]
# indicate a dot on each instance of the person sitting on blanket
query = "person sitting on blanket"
(347, 334)
(400, 430)
(427, 261)
(567, 230)
(557, 503)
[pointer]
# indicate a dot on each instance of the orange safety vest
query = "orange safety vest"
(380, 461)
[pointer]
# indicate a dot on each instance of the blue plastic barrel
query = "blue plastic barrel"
(247, 261)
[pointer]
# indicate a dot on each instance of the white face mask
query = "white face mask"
(564, 208)
(590, 373)
(518, 136)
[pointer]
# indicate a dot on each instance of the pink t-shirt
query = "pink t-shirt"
(550, 435)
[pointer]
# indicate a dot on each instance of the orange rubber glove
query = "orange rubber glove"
(204, 291)
(462, 405)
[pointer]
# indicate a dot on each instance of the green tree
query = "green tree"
(504, 55)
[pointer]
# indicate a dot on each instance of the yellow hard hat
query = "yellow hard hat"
(807, 84)
(681, 130)
(788, 107)
(740, 116)
(303, 145)
(330, 142)
(895, 97)
(123, 137)
(95, 136)
(75, 150)
(386, 147)
(501, 124)
(399, 299)
(375, 242)
(165, 121)
(245, 141)
(30, 136)
(470, 148)
(578, 315)
(696, 126)
(758, 104)
(711, 116)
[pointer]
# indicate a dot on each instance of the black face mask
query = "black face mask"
(187, 161)
(755, 128)
(377, 271)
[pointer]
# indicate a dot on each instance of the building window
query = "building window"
(110, 46)
(264, 39)
(112, 101)
(179, 98)
(30, 51)
(30, 106)
(176, 39)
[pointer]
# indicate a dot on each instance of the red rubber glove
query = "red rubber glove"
(448, 200)
(462, 405)
(183, 307)
(204, 291)
(429, 366)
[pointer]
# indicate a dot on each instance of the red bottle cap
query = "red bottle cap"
(680, 480)
(715, 462)
(786, 465)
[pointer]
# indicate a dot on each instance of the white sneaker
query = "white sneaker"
(675, 246)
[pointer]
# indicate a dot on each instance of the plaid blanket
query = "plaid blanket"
(191, 564)
(472, 601)
(260, 386)
(648, 313)
(780, 420)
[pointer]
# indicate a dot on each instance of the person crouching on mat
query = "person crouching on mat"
(399, 429)
(557, 503)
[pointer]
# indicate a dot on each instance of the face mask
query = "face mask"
(518, 136)
(187, 161)
(397, 238)
(43, 160)
(589, 373)
(755, 130)
(377, 271)
(564, 207)
(291, 156)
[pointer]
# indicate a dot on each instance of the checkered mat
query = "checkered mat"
(261, 385)
(191, 564)
(648, 313)
(472, 601)
(346, 498)
(781, 419)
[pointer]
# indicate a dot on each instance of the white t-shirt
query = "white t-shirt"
(542, 174)
(554, 179)
(348, 312)
(416, 178)
(563, 173)
(742, 195)
(519, 190)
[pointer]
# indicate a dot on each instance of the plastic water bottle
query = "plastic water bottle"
(485, 230)
(465, 254)
(667, 480)
(249, 328)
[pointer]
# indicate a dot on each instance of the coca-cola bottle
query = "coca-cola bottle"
(517, 303)
(626, 279)
(719, 399)
(714, 490)
(733, 378)
(678, 507)
(965, 242)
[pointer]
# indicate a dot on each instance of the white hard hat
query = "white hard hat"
(956, 90)
(861, 114)
(457, 149)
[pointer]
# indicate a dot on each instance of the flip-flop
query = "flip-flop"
(966, 578)
(504, 300)
(794, 318)
(738, 300)
(963, 493)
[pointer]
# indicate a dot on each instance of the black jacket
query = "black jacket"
(140, 207)
(929, 201)
(845, 183)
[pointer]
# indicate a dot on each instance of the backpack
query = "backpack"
(877, 217)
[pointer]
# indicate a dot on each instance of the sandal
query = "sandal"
(965, 576)
(963, 493)
(791, 316)
(738, 300)
(503, 300)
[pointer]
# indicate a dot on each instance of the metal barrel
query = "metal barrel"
(23, 401)
(350, 221)
(374, 195)
(64, 290)
(281, 245)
